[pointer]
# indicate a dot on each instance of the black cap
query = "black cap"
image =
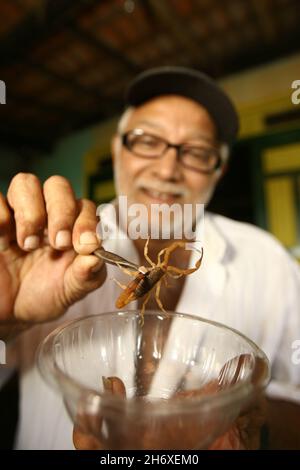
(171, 80)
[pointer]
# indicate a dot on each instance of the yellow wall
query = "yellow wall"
(257, 93)
(281, 169)
(281, 207)
(261, 91)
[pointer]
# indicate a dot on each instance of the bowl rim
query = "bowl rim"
(238, 391)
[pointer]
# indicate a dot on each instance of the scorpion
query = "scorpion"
(146, 279)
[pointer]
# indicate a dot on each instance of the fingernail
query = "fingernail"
(4, 243)
(32, 242)
(97, 267)
(88, 238)
(63, 239)
(107, 384)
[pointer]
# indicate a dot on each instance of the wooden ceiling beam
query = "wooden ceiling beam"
(69, 83)
(102, 46)
(263, 19)
(36, 28)
(263, 54)
(18, 44)
(163, 14)
(32, 102)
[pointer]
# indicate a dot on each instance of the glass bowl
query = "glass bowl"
(177, 381)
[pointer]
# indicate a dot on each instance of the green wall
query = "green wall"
(67, 159)
(10, 164)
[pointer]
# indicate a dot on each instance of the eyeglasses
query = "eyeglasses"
(200, 158)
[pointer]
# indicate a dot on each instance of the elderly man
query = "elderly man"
(171, 147)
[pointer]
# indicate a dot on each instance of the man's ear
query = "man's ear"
(225, 154)
(223, 170)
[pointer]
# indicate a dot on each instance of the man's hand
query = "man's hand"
(283, 422)
(46, 241)
(234, 439)
(171, 433)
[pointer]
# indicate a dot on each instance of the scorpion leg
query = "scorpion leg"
(170, 249)
(146, 254)
(167, 251)
(174, 276)
(144, 307)
(182, 272)
(119, 284)
(127, 271)
(174, 270)
(159, 262)
(157, 292)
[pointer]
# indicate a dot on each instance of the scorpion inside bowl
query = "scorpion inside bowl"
(149, 277)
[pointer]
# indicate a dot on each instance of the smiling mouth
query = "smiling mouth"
(160, 196)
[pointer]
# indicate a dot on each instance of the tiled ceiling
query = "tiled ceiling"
(66, 62)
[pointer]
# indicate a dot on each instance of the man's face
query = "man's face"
(164, 180)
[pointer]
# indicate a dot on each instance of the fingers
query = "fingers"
(210, 388)
(83, 437)
(69, 223)
(229, 441)
(25, 198)
(84, 441)
(114, 385)
(5, 224)
(84, 275)
(86, 428)
(61, 208)
(85, 240)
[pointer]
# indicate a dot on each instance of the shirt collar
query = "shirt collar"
(215, 244)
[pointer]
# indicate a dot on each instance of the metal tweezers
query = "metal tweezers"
(112, 258)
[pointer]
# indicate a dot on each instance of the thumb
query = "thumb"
(85, 274)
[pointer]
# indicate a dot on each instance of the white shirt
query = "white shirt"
(247, 281)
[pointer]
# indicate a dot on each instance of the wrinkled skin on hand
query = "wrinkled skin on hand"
(47, 238)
